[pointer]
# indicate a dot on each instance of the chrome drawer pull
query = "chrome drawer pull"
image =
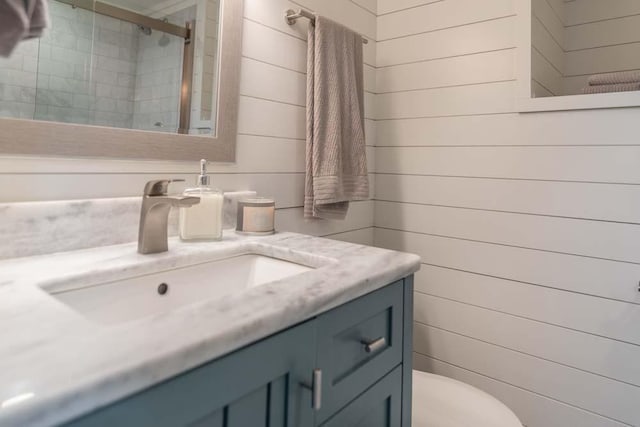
(375, 345)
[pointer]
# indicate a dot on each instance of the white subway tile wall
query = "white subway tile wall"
(158, 75)
(18, 81)
(84, 69)
(205, 66)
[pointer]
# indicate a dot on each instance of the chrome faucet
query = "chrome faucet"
(154, 216)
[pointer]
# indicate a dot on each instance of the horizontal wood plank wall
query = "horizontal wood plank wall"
(527, 224)
(600, 37)
(547, 49)
(271, 146)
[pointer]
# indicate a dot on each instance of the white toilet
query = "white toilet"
(442, 402)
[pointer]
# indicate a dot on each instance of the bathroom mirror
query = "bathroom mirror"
(578, 54)
(126, 79)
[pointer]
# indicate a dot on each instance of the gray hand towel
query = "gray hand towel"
(336, 161)
(627, 87)
(19, 20)
(615, 78)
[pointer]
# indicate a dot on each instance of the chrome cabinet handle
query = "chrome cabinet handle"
(316, 392)
(375, 345)
(316, 389)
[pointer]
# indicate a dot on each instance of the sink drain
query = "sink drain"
(163, 288)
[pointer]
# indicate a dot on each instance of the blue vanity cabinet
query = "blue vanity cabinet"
(262, 385)
(362, 350)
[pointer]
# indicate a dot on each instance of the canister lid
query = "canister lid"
(257, 201)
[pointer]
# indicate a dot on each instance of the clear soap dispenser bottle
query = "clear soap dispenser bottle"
(204, 220)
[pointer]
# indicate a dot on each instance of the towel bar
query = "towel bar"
(291, 16)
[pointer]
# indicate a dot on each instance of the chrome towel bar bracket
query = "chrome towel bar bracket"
(291, 17)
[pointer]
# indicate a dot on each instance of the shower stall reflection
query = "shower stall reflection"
(103, 64)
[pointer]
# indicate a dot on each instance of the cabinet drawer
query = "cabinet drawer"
(358, 343)
(380, 406)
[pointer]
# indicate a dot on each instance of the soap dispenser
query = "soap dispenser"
(204, 220)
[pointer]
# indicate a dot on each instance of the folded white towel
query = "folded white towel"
(336, 153)
(615, 78)
(19, 20)
(627, 87)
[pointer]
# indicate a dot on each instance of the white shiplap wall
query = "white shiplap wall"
(547, 47)
(600, 37)
(572, 40)
(527, 224)
(270, 155)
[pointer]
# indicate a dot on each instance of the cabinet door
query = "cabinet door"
(260, 385)
(379, 406)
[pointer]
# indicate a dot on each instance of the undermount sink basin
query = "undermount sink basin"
(142, 296)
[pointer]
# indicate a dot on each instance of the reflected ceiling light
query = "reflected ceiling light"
(16, 400)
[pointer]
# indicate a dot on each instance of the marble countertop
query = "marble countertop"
(56, 365)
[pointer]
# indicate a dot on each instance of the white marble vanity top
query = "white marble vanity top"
(56, 365)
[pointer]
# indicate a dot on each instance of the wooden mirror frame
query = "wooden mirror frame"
(525, 103)
(34, 137)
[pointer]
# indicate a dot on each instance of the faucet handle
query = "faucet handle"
(159, 187)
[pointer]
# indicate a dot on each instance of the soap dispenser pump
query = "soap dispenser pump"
(204, 222)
